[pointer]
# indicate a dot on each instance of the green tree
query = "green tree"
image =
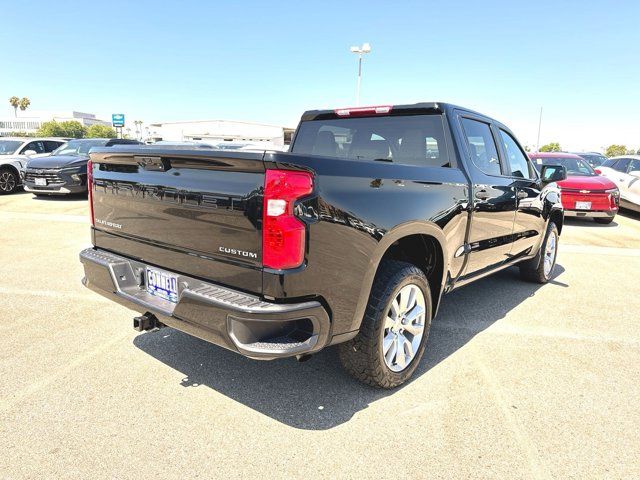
(74, 129)
(24, 103)
(50, 129)
(551, 147)
(615, 150)
(15, 103)
(69, 128)
(100, 131)
(638, 152)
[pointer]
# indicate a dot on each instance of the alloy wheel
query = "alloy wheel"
(550, 254)
(7, 181)
(403, 328)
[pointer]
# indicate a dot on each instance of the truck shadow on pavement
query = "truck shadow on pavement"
(318, 394)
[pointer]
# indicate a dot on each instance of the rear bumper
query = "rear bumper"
(590, 213)
(229, 318)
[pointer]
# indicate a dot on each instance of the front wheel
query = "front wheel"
(8, 181)
(394, 330)
(540, 269)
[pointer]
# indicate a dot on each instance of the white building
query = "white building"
(217, 131)
(30, 121)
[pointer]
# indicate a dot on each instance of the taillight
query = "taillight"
(362, 111)
(283, 234)
(90, 190)
(598, 171)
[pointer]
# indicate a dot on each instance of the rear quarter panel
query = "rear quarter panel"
(358, 209)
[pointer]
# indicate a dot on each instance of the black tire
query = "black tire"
(9, 181)
(362, 356)
(604, 220)
(533, 270)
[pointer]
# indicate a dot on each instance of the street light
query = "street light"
(366, 48)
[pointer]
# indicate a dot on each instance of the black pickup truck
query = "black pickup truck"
(351, 238)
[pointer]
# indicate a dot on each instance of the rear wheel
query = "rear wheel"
(395, 328)
(540, 269)
(604, 220)
(8, 181)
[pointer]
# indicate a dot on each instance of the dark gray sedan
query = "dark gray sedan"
(65, 170)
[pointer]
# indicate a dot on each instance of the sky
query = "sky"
(269, 61)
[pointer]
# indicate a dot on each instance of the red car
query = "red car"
(584, 192)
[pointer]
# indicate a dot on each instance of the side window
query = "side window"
(634, 166)
(37, 147)
(517, 160)
(621, 165)
(482, 146)
(50, 145)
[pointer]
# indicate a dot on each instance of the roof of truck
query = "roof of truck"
(386, 109)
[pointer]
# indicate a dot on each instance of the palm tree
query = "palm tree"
(138, 124)
(15, 102)
(24, 103)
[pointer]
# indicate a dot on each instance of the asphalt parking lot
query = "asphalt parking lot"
(519, 381)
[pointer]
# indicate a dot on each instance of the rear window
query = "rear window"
(410, 140)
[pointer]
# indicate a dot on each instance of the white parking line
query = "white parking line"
(53, 294)
(18, 396)
(592, 250)
(50, 217)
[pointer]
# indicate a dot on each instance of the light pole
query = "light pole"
(539, 127)
(365, 48)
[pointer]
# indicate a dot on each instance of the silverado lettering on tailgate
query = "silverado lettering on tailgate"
(171, 195)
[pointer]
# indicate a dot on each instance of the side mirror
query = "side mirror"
(553, 173)
(635, 173)
(29, 152)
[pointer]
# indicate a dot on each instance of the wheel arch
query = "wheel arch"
(420, 243)
(557, 216)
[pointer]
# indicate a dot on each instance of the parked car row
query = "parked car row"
(65, 170)
(14, 154)
(584, 192)
(595, 188)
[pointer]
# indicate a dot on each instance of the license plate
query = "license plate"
(583, 205)
(42, 182)
(162, 284)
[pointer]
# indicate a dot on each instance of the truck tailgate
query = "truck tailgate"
(197, 213)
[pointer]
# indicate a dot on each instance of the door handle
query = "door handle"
(522, 195)
(482, 194)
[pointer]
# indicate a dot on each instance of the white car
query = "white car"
(624, 171)
(14, 153)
